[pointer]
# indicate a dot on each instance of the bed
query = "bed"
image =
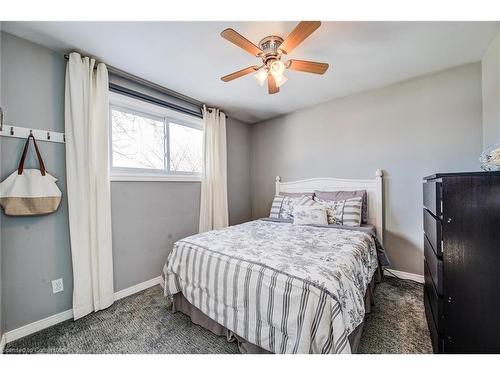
(276, 287)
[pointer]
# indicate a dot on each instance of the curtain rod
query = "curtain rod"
(144, 82)
(147, 98)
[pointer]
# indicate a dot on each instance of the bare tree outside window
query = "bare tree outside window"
(185, 148)
(138, 142)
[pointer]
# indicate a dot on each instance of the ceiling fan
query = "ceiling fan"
(271, 49)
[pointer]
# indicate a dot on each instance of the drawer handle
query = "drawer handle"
(449, 220)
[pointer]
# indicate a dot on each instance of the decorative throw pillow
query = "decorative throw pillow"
(315, 214)
(276, 207)
(344, 194)
(334, 210)
(352, 214)
(287, 206)
(289, 202)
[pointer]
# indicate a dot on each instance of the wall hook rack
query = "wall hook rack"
(40, 135)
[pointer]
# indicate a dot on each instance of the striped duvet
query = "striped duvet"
(283, 287)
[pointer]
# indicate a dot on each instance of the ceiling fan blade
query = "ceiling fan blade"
(308, 66)
(241, 41)
(298, 35)
(240, 73)
(271, 85)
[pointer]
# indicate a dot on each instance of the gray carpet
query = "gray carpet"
(142, 323)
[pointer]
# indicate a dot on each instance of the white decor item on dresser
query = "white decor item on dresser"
(373, 187)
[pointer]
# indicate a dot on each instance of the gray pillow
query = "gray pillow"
(342, 195)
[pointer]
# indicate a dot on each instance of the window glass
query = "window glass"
(137, 141)
(185, 148)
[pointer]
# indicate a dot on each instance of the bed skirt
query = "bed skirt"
(181, 304)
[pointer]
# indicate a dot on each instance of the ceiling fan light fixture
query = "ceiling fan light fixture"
(280, 80)
(277, 68)
(261, 76)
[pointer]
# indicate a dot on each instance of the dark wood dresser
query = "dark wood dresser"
(462, 261)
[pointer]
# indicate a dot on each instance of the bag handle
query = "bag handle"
(23, 157)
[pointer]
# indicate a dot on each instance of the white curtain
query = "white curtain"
(213, 204)
(87, 173)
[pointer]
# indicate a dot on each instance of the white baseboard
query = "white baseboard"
(137, 288)
(2, 343)
(28, 329)
(404, 275)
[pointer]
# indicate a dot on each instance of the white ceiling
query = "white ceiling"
(190, 57)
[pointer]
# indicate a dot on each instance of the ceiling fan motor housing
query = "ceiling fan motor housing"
(269, 45)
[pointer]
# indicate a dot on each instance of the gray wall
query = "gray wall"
(35, 250)
(147, 217)
(410, 130)
(491, 93)
(238, 171)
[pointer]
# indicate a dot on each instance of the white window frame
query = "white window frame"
(157, 112)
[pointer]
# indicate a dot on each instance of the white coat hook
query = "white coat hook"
(39, 134)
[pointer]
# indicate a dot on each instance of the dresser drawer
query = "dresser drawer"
(435, 302)
(432, 229)
(432, 197)
(436, 338)
(435, 266)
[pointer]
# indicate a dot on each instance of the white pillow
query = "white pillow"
(334, 210)
(288, 204)
(316, 214)
(347, 212)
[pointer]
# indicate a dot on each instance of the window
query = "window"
(149, 142)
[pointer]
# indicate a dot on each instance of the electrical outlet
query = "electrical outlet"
(57, 286)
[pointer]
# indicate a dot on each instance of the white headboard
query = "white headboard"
(373, 189)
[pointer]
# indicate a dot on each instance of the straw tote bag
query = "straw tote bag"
(28, 192)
